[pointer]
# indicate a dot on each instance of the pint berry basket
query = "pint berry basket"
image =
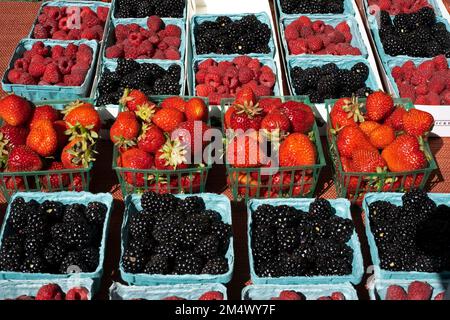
(283, 182)
(354, 185)
(187, 181)
(46, 180)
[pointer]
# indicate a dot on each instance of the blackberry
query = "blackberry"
(139, 227)
(170, 250)
(217, 265)
(312, 6)
(54, 253)
(306, 233)
(10, 260)
(424, 263)
(33, 245)
(264, 214)
(363, 92)
(212, 215)
(192, 230)
(287, 239)
(12, 242)
(126, 66)
(394, 260)
(384, 233)
(361, 69)
(223, 233)
(327, 86)
(109, 98)
(417, 203)
(54, 210)
(321, 209)
(169, 8)
(78, 235)
(96, 213)
(133, 261)
(191, 205)
(267, 269)
(145, 10)
(74, 213)
(402, 23)
(33, 264)
(164, 231)
(58, 232)
(18, 214)
(158, 204)
(319, 228)
(332, 266)
(380, 212)
(72, 263)
(340, 229)
(156, 71)
(292, 265)
(36, 219)
(108, 82)
(158, 264)
(167, 87)
(425, 16)
(174, 72)
(146, 246)
(90, 257)
(188, 263)
(285, 217)
(329, 69)
(208, 247)
(264, 242)
(434, 49)
(305, 251)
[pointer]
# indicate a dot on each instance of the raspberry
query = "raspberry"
(62, 24)
(173, 31)
(446, 97)
(204, 90)
(159, 54)
(305, 32)
(134, 27)
(267, 79)
(440, 62)
(336, 37)
(36, 69)
(53, 12)
(231, 72)
(407, 91)
(154, 39)
(433, 99)
(57, 51)
(427, 67)
(206, 64)
(214, 98)
(314, 43)
(318, 26)
(42, 18)
(291, 32)
(162, 34)
(437, 84)
(263, 91)
(135, 39)
(89, 34)
(213, 80)
(65, 65)
(51, 74)
(421, 100)
(255, 65)
(84, 48)
(74, 80)
(71, 51)
(325, 39)
(90, 20)
(146, 47)
(304, 21)
(102, 13)
(253, 84)
(223, 66)
(21, 65)
(114, 52)
(223, 90)
(397, 73)
(245, 75)
(40, 32)
(214, 70)
(60, 35)
(163, 46)
(74, 34)
(121, 32)
(200, 76)
(39, 48)
(155, 23)
(14, 75)
(343, 27)
(328, 29)
(26, 78)
(51, 26)
(348, 36)
(131, 53)
(242, 61)
(172, 54)
(84, 57)
(421, 90)
(299, 46)
(232, 82)
(418, 78)
(173, 41)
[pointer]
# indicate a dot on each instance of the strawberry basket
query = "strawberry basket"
(276, 182)
(51, 180)
(187, 180)
(354, 185)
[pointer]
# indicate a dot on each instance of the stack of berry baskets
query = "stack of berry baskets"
(154, 144)
(287, 8)
(378, 144)
(48, 145)
(287, 127)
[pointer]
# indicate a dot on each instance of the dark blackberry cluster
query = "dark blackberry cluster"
(414, 34)
(147, 8)
(289, 242)
(414, 236)
(174, 236)
(52, 237)
(225, 36)
(312, 6)
(150, 78)
(330, 82)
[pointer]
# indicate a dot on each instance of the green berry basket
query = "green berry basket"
(286, 182)
(187, 181)
(354, 185)
(38, 181)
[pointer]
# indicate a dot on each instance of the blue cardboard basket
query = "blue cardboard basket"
(198, 19)
(311, 292)
(348, 9)
(213, 201)
(37, 92)
(120, 20)
(109, 40)
(356, 42)
(342, 207)
(66, 197)
(264, 61)
(111, 65)
(186, 291)
(378, 289)
(318, 61)
(433, 3)
(74, 3)
(381, 274)
(11, 289)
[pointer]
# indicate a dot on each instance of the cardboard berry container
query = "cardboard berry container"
(186, 291)
(191, 180)
(198, 19)
(288, 182)
(378, 288)
(110, 37)
(220, 203)
(11, 289)
(382, 274)
(47, 92)
(35, 181)
(348, 9)
(311, 292)
(356, 42)
(65, 198)
(354, 185)
(342, 207)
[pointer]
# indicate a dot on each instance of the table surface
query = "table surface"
(15, 22)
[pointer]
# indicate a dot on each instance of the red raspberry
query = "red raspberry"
(146, 47)
(440, 62)
(162, 34)
(421, 100)
(40, 32)
(418, 77)
(134, 27)
(446, 97)
(51, 26)
(42, 18)
(232, 82)
(131, 52)
(14, 75)
(223, 90)
(299, 46)
(223, 66)
(21, 65)
(74, 80)
(252, 84)
(407, 91)
(337, 37)
(348, 36)
(433, 99)
(89, 34)
(172, 54)
(121, 32)
(242, 61)
(397, 73)
(427, 67)
(51, 74)
(65, 65)
(231, 72)
(343, 27)
(80, 68)
(328, 29)
(266, 69)
(245, 75)
(53, 12)
(74, 34)
(204, 90)
(163, 46)
(39, 48)
(304, 21)
(71, 51)
(86, 11)
(214, 70)
(173, 41)
(305, 32)
(437, 84)
(90, 20)
(26, 78)
(114, 52)
(384, 5)
(36, 69)
(60, 35)
(102, 13)
(159, 54)
(62, 24)
(314, 43)
(325, 39)
(200, 76)
(422, 89)
(173, 31)
(84, 56)
(291, 32)
(206, 64)
(318, 26)
(135, 39)
(213, 80)
(155, 23)
(263, 91)
(255, 65)
(267, 79)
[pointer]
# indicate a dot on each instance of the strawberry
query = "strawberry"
(395, 120)
(269, 104)
(78, 183)
(171, 156)
(43, 138)
(135, 159)
(297, 150)
(77, 293)
(132, 98)
(55, 181)
(300, 115)
(151, 139)
(22, 158)
(379, 106)
(418, 290)
(417, 122)
(290, 295)
(77, 154)
(345, 112)
(211, 295)
(382, 136)
(227, 117)
(245, 96)
(125, 130)
(15, 110)
(404, 154)
(244, 151)
(14, 183)
(367, 161)
(247, 116)
(13, 136)
(60, 128)
(368, 126)
(174, 102)
(395, 292)
(44, 112)
(83, 114)
(196, 109)
(351, 138)
(187, 132)
(276, 122)
(168, 119)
